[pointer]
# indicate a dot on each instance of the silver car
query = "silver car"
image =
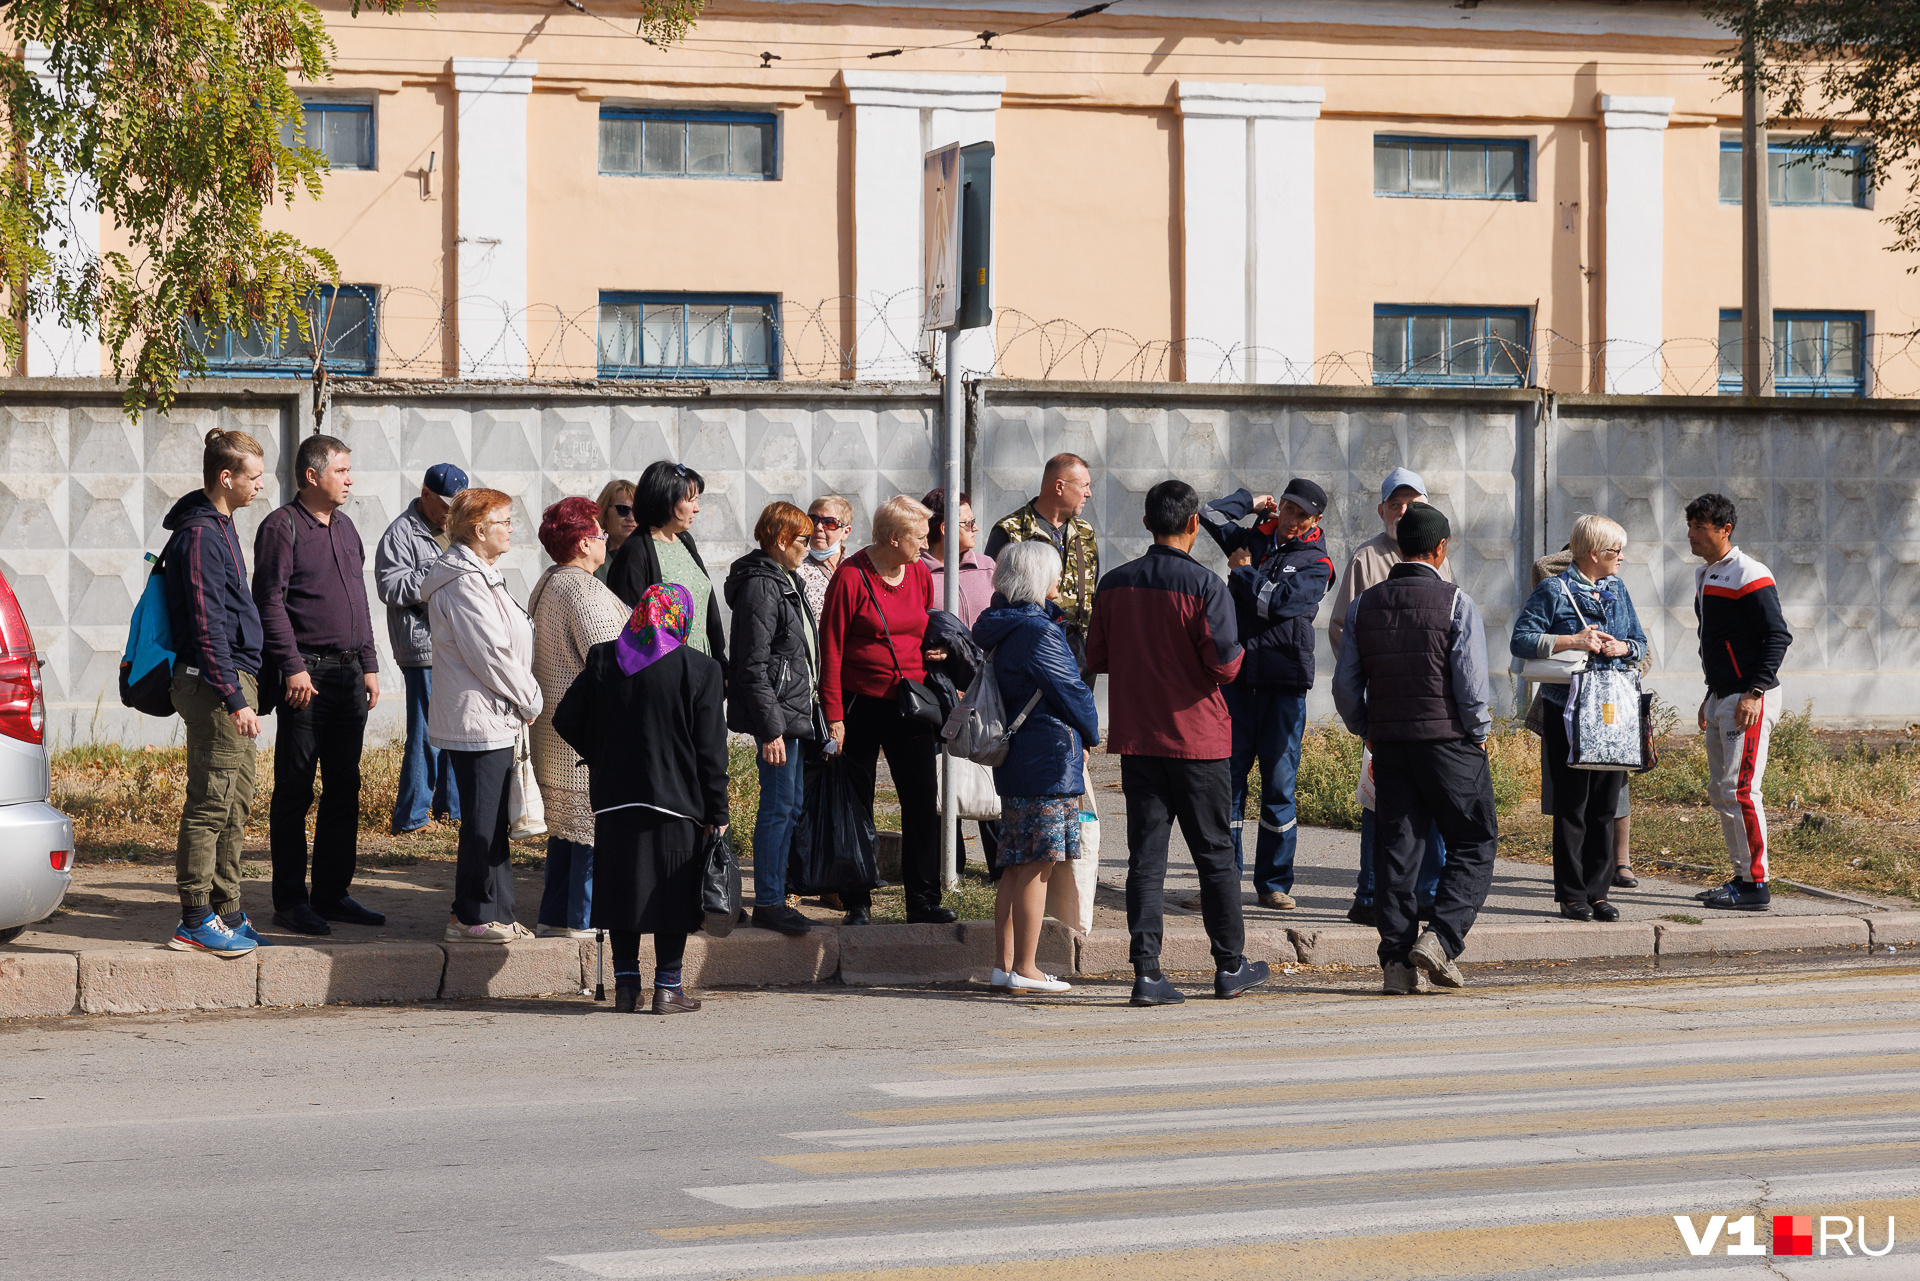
(36, 840)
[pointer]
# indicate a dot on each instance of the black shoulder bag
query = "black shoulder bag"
(915, 701)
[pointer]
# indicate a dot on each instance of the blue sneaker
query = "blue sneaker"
(245, 930)
(212, 936)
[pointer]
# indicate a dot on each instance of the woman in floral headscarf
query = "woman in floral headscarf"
(646, 716)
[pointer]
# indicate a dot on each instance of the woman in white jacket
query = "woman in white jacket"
(484, 692)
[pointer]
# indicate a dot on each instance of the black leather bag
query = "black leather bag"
(719, 884)
(915, 701)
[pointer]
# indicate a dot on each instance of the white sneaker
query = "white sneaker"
(560, 932)
(1021, 983)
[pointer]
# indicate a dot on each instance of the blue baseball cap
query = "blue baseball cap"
(447, 480)
(1402, 478)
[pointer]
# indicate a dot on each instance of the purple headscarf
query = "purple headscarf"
(657, 628)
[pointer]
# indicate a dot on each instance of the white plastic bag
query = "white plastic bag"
(1363, 790)
(1070, 886)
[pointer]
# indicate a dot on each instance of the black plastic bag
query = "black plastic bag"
(835, 846)
(719, 884)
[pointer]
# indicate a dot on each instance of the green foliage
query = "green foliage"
(173, 111)
(1847, 65)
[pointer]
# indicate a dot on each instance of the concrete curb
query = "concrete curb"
(137, 981)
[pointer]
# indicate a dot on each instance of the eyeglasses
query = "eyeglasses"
(971, 526)
(601, 536)
(507, 523)
(829, 522)
(1610, 551)
(623, 510)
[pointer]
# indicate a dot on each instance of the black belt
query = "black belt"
(340, 657)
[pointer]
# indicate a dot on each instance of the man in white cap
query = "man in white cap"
(1372, 561)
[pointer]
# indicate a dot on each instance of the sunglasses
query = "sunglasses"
(623, 510)
(829, 522)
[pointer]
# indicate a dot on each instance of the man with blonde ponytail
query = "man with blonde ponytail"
(217, 643)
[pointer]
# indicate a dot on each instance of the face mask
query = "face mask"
(828, 554)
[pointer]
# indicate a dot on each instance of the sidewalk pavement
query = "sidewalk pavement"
(106, 953)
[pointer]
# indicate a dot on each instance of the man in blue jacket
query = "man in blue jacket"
(1275, 600)
(217, 647)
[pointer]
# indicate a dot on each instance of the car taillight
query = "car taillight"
(60, 859)
(23, 704)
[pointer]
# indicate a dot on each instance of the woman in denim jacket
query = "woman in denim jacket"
(1587, 608)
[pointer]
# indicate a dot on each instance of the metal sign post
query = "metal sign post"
(957, 205)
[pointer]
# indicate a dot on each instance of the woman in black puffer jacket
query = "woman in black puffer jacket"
(773, 684)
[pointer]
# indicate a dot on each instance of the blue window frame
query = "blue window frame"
(688, 144)
(1815, 353)
(1450, 168)
(1451, 346)
(342, 131)
(649, 335)
(1796, 176)
(351, 343)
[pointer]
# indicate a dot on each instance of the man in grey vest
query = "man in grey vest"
(1412, 681)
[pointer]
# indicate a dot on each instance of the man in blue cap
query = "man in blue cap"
(1372, 561)
(406, 551)
(1275, 600)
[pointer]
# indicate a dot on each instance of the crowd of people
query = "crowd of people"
(611, 691)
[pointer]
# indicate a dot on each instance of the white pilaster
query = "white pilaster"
(1635, 150)
(491, 215)
(1248, 215)
(55, 350)
(897, 118)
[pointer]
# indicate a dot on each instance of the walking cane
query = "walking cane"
(599, 965)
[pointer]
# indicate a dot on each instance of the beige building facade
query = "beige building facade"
(1336, 192)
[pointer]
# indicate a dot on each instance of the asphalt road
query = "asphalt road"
(1546, 1122)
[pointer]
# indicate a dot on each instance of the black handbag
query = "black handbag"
(719, 884)
(915, 701)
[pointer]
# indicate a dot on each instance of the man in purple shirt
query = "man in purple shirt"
(309, 581)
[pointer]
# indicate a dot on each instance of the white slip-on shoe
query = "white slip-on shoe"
(1001, 981)
(1021, 983)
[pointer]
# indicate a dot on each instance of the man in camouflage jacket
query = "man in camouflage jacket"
(1054, 515)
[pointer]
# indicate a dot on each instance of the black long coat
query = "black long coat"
(656, 738)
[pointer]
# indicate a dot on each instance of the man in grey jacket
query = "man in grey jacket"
(1412, 682)
(406, 551)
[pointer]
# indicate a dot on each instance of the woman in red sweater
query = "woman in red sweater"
(870, 633)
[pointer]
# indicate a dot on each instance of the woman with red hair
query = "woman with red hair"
(572, 612)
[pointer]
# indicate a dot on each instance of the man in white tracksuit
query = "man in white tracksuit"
(1743, 639)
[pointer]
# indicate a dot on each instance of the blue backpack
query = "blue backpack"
(146, 669)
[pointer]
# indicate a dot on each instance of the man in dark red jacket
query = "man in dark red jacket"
(1163, 628)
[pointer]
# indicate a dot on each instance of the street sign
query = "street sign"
(940, 203)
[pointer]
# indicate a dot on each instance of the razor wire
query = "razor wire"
(849, 339)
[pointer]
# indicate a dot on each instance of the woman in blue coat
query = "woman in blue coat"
(1040, 783)
(1585, 608)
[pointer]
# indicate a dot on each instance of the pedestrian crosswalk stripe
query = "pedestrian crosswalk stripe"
(1454, 1235)
(1815, 1070)
(1343, 1043)
(1869, 1089)
(1323, 1162)
(1307, 1013)
(1358, 1065)
(1295, 1133)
